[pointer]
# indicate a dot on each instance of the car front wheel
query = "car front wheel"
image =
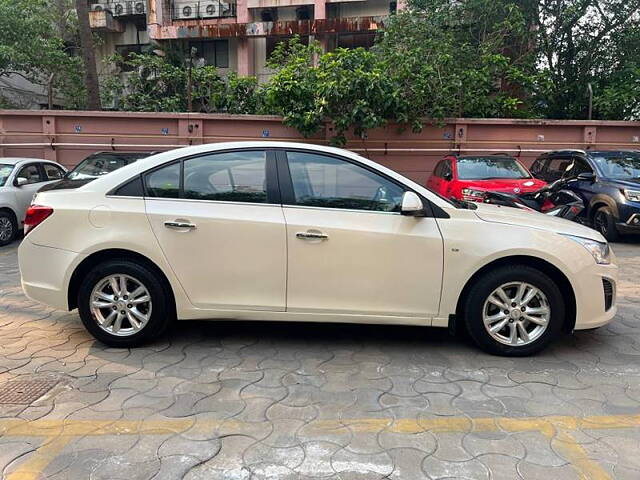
(605, 223)
(123, 303)
(514, 311)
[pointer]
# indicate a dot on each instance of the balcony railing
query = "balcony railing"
(203, 9)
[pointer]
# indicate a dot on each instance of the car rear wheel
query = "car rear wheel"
(124, 304)
(8, 228)
(605, 223)
(514, 311)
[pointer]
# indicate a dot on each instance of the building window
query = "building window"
(213, 52)
(356, 40)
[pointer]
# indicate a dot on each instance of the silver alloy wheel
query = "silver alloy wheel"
(516, 314)
(6, 229)
(121, 305)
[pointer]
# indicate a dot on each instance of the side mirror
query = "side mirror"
(411, 205)
(448, 177)
(586, 177)
(20, 181)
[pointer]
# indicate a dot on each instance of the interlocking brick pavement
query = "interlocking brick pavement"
(308, 401)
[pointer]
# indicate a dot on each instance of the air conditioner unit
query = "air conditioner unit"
(186, 11)
(226, 9)
(97, 7)
(119, 8)
(210, 10)
(139, 8)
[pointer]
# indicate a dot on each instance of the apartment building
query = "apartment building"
(235, 35)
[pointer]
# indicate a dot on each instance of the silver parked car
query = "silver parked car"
(20, 179)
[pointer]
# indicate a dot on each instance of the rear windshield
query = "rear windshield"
(102, 163)
(487, 168)
(622, 165)
(5, 171)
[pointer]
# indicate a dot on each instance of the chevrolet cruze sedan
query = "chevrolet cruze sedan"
(295, 232)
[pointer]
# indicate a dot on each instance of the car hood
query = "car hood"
(532, 219)
(633, 183)
(66, 184)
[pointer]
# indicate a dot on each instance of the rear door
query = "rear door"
(220, 224)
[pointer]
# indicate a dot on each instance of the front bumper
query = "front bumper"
(595, 290)
(631, 225)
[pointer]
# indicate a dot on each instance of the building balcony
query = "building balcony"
(285, 28)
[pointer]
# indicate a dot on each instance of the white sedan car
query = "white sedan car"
(20, 179)
(284, 231)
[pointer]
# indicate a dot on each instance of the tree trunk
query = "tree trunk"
(89, 56)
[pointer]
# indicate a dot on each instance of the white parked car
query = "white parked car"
(20, 179)
(283, 231)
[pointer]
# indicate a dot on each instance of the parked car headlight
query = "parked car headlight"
(472, 194)
(599, 250)
(632, 195)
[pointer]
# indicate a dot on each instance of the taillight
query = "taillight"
(36, 214)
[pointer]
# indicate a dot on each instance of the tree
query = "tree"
(89, 56)
(588, 41)
(32, 47)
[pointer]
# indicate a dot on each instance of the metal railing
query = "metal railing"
(203, 9)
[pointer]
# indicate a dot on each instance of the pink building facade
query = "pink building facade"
(236, 35)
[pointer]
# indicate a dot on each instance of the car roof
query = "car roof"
(17, 160)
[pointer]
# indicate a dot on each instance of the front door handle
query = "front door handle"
(179, 224)
(312, 235)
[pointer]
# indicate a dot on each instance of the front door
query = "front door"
(24, 193)
(350, 251)
(219, 222)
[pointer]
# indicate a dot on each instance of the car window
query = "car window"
(557, 167)
(323, 181)
(577, 167)
(164, 182)
(231, 176)
(5, 171)
(53, 172)
(537, 168)
(447, 171)
(99, 164)
(31, 173)
(437, 172)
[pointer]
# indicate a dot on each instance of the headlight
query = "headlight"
(632, 195)
(472, 194)
(599, 250)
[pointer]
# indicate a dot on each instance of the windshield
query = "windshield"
(5, 171)
(622, 165)
(99, 164)
(487, 168)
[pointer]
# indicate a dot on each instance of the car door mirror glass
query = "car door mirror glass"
(20, 181)
(448, 177)
(412, 204)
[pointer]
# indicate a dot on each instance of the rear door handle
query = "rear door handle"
(178, 224)
(312, 236)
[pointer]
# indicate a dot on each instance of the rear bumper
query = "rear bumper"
(45, 273)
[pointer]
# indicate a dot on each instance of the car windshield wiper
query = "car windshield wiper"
(463, 204)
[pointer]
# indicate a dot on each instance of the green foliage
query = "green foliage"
(34, 37)
(155, 84)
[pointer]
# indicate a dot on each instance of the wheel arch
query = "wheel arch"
(535, 262)
(100, 256)
(599, 201)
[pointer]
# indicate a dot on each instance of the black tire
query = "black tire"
(162, 312)
(485, 285)
(8, 220)
(605, 223)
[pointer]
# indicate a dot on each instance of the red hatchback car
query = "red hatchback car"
(467, 177)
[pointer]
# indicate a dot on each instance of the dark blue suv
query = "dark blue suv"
(608, 182)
